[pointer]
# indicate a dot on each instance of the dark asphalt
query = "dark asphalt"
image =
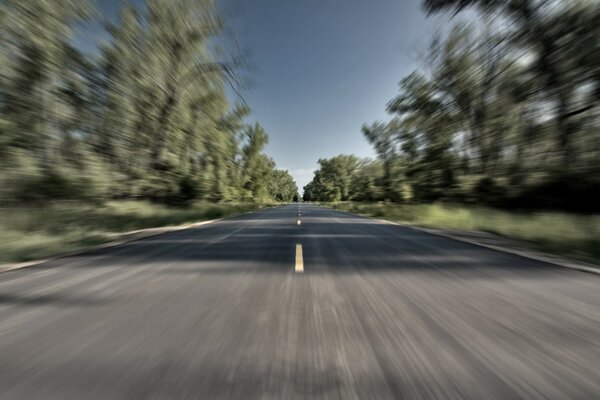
(217, 312)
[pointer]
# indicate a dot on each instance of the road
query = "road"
(219, 312)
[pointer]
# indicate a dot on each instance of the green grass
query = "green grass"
(569, 235)
(30, 233)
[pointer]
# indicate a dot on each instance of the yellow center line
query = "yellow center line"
(299, 259)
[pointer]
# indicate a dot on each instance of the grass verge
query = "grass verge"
(32, 233)
(564, 234)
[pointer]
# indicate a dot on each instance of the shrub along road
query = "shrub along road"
(224, 311)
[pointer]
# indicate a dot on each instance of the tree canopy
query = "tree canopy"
(146, 118)
(504, 112)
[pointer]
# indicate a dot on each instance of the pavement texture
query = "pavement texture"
(220, 312)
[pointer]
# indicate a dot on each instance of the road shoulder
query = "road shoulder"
(122, 238)
(494, 242)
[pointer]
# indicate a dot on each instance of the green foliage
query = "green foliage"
(282, 187)
(35, 232)
(506, 113)
(333, 180)
(148, 118)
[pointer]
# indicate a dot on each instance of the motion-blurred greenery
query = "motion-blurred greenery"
(28, 233)
(143, 116)
(504, 112)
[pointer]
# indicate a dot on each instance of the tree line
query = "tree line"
(145, 116)
(505, 112)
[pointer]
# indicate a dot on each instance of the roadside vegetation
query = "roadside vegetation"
(505, 112)
(135, 133)
(144, 116)
(28, 233)
(498, 131)
(565, 234)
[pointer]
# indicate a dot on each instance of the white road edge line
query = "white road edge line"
(529, 254)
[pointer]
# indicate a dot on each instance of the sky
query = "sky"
(319, 69)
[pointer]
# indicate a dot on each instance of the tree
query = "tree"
(149, 118)
(562, 41)
(256, 167)
(383, 139)
(179, 33)
(365, 184)
(333, 180)
(504, 113)
(282, 187)
(125, 91)
(35, 35)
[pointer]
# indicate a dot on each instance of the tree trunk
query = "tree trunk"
(565, 130)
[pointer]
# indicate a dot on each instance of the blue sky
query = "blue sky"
(321, 68)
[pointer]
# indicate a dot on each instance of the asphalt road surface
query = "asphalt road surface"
(219, 312)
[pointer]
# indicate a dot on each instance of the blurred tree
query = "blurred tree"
(383, 139)
(333, 181)
(427, 126)
(562, 38)
(36, 63)
(365, 184)
(148, 118)
(506, 112)
(256, 167)
(282, 187)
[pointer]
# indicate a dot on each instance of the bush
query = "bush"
(572, 192)
(188, 189)
(52, 184)
(487, 191)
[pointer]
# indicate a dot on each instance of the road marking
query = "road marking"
(299, 259)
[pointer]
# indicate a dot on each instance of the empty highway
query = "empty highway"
(262, 307)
